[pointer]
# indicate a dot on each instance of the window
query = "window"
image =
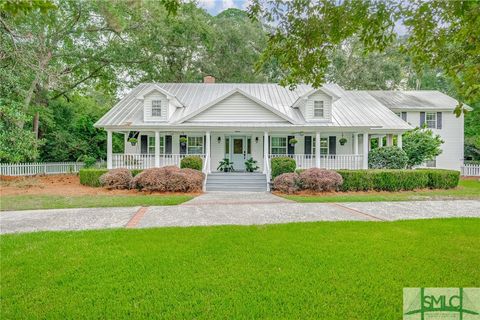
(318, 110)
(151, 145)
(399, 114)
(279, 145)
(431, 120)
(156, 108)
(323, 146)
(195, 145)
(227, 147)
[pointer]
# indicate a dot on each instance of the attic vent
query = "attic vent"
(208, 79)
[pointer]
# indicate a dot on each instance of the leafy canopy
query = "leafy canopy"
(420, 145)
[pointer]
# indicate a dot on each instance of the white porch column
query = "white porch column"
(207, 150)
(366, 141)
(157, 149)
(317, 150)
(399, 141)
(265, 151)
(109, 150)
(380, 141)
(389, 140)
(355, 143)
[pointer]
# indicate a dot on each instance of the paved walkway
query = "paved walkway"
(231, 209)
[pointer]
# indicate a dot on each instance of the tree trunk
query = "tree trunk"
(36, 120)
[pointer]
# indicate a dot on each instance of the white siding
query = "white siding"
(239, 108)
(307, 108)
(147, 106)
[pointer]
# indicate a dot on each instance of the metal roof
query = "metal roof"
(415, 100)
(349, 108)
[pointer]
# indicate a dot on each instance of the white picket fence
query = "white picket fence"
(471, 170)
(31, 169)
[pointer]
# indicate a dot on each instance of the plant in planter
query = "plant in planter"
(225, 165)
(342, 141)
(183, 141)
(293, 141)
(133, 141)
(251, 165)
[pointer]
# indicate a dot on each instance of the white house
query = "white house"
(333, 127)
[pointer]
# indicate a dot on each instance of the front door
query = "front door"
(238, 153)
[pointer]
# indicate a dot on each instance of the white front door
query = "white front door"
(238, 153)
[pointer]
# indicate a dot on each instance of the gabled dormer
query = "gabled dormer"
(316, 105)
(158, 104)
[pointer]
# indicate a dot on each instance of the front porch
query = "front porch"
(328, 150)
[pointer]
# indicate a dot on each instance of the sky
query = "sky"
(214, 7)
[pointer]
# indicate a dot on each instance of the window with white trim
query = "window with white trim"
(278, 145)
(323, 145)
(318, 109)
(156, 108)
(431, 120)
(151, 145)
(195, 145)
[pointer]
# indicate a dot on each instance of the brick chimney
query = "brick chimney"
(208, 79)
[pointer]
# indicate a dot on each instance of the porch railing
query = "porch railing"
(327, 161)
(145, 161)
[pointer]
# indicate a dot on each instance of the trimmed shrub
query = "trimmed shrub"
(442, 179)
(91, 177)
(286, 183)
(192, 162)
(282, 165)
(136, 171)
(315, 179)
(169, 179)
(387, 158)
(116, 179)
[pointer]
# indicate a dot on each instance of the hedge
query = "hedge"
(191, 162)
(397, 180)
(282, 165)
(91, 177)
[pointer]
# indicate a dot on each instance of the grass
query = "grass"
(324, 270)
(26, 202)
(467, 189)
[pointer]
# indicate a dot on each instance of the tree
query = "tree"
(421, 145)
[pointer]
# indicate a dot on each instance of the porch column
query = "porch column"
(109, 150)
(399, 141)
(207, 150)
(265, 151)
(317, 150)
(380, 141)
(157, 149)
(366, 141)
(389, 140)
(355, 143)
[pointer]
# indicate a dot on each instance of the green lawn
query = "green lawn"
(325, 270)
(467, 189)
(26, 202)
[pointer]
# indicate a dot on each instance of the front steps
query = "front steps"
(236, 181)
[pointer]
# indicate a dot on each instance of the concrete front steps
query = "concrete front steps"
(236, 181)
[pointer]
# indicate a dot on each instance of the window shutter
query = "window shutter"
(204, 144)
(439, 120)
(404, 116)
(183, 149)
(308, 145)
(290, 149)
(143, 144)
(168, 144)
(422, 119)
(332, 145)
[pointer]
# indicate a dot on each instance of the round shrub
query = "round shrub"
(286, 183)
(282, 165)
(192, 162)
(169, 179)
(91, 177)
(116, 179)
(315, 179)
(387, 158)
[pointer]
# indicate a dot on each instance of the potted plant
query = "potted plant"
(251, 165)
(342, 141)
(225, 165)
(293, 141)
(183, 141)
(133, 141)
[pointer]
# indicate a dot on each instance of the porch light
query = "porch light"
(256, 139)
(219, 139)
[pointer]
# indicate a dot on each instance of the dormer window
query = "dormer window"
(156, 108)
(318, 109)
